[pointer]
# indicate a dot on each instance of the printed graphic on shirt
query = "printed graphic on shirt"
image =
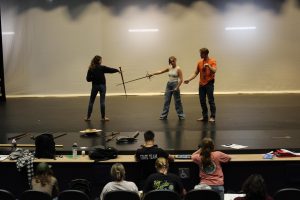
(163, 185)
(210, 169)
(148, 157)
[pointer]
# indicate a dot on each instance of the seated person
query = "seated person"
(210, 169)
(148, 154)
(255, 189)
(117, 173)
(44, 181)
(162, 180)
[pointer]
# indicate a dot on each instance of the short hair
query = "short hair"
(204, 50)
(117, 172)
(149, 135)
(43, 168)
(161, 163)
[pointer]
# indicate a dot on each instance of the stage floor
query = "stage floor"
(261, 122)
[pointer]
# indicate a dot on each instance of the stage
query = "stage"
(262, 122)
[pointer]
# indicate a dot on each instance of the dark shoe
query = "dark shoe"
(162, 118)
(202, 119)
(87, 119)
(181, 118)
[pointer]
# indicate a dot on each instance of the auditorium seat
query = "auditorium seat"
(121, 195)
(6, 195)
(202, 194)
(35, 195)
(73, 195)
(161, 194)
(287, 193)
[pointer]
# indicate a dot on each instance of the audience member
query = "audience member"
(210, 169)
(44, 180)
(117, 173)
(148, 154)
(255, 189)
(162, 180)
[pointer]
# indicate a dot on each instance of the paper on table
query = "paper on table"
(3, 157)
(234, 146)
(232, 196)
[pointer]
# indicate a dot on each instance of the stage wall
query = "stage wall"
(54, 41)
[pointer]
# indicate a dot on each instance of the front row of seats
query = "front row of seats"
(113, 195)
(283, 194)
(37, 195)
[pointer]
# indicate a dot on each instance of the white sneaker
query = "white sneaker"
(212, 119)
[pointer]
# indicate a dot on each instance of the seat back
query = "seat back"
(202, 194)
(82, 185)
(287, 193)
(6, 195)
(162, 194)
(73, 195)
(35, 195)
(121, 195)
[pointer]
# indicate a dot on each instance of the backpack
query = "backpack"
(103, 153)
(44, 146)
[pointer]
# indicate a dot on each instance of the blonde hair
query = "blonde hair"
(172, 58)
(161, 163)
(117, 172)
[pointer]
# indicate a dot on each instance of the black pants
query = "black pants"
(207, 90)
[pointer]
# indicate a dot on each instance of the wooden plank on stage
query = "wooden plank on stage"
(27, 145)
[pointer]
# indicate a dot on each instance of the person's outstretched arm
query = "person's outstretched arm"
(158, 72)
(192, 76)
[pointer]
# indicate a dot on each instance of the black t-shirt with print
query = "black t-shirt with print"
(147, 157)
(159, 181)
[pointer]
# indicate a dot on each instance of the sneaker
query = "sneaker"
(162, 118)
(202, 119)
(87, 119)
(105, 119)
(181, 118)
(212, 119)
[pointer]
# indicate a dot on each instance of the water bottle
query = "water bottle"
(13, 144)
(74, 150)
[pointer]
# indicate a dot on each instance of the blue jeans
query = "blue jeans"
(207, 90)
(168, 96)
(101, 88)
(219, 189)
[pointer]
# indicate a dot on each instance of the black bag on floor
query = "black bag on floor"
(44, 146)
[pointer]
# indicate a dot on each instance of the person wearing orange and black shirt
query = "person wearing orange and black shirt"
(207, 67)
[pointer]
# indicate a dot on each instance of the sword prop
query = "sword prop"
(123, 83)
(147, 76)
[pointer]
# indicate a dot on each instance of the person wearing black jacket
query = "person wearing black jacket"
(96, 75)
